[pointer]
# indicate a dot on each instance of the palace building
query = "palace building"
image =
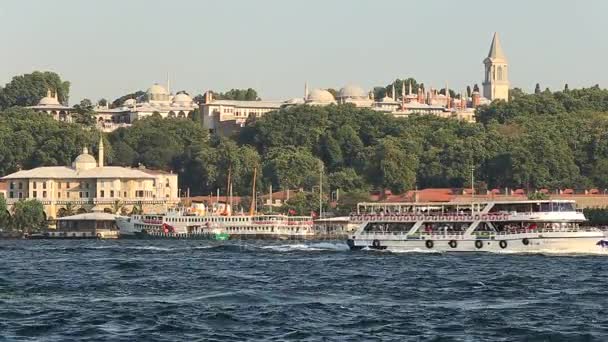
(157, 99)
(50, 105)
(89, 185)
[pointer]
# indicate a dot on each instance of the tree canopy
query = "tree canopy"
(28, 89)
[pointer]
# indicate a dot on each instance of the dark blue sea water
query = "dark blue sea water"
(280, 291)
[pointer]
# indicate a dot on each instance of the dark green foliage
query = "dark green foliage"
(28, 89)
(28, 216)
(29, 140)
(119, 101)
(596, 216)
(238, 94)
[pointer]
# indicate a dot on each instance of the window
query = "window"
(44, 194)
(111, 193)
(101, 194)
(21, 195)
(80, 194)
(20, 185)
(59, 195)
(12, 185)
(125, 194)
(87, 194)
(86, 186)
(34, 185)
(167, 183)
(34, 194)
(11, 194)
(44, 185)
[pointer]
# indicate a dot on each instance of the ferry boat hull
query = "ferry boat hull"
(529, 243)
(531, 226)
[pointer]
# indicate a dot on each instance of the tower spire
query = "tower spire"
(496, 49)
(305, 90)
(168, 84)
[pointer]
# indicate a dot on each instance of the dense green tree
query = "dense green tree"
(5, 215)
(537, 89)
(28, 216)
(290, 167)
(84, 113)
(248, 94)
(134, 95)
(28, 89)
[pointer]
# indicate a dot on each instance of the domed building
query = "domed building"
(89, 185)
(157, 99)
(320, 97)
(354, 94)
(50, 105)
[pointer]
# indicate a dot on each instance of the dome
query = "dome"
(320, 96)
(352, 91)
(84, 161)
(182, 99)
(157, 89)
(129, 103)
(49, 100)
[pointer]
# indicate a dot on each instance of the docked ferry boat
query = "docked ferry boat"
(492, 226)
(182, 223)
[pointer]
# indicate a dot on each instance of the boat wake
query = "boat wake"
(320, 246)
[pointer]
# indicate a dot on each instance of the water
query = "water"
(278, 291)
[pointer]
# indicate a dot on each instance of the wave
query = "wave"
(320, 246)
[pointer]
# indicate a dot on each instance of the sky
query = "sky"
(113, 47)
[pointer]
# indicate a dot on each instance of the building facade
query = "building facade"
(156, 100)
(88, 185)
(50, 105)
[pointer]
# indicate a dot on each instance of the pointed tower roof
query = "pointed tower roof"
(496, 49)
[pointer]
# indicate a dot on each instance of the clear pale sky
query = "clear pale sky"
(112, 47)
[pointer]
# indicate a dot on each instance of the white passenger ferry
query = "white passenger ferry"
(182, 223)
(493, 226)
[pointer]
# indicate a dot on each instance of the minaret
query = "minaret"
(403, 90)
(496, 80)
(410, 87)
(100, 153)
(305, 91)
(393, 91)
(168, 84)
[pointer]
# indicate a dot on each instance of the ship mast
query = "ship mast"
(228, 182)
(252, 205)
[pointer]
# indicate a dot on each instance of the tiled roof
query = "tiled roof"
(68, 172)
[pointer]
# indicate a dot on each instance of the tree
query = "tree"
(117, 207)
(134, 95)
(248, 94)
(5, 215)
(538, 196)
(566, 89)
(476, 88)
(469, 93)
(537, 89)
(303, 204)
(84, 113)
(28, 216)
(28, 89)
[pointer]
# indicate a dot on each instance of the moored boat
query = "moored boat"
(186, 224)
(492, 226)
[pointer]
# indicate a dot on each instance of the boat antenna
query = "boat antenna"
(252, 205)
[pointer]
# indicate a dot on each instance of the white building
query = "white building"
(89, 185)
(50, 105)
(156, 100)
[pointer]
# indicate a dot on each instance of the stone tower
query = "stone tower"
(496, 80)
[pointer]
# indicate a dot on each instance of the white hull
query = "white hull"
(583, 242)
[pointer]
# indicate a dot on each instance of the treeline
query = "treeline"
(541, 140)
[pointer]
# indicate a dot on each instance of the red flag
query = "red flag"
(313, 214)
(291, 212)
